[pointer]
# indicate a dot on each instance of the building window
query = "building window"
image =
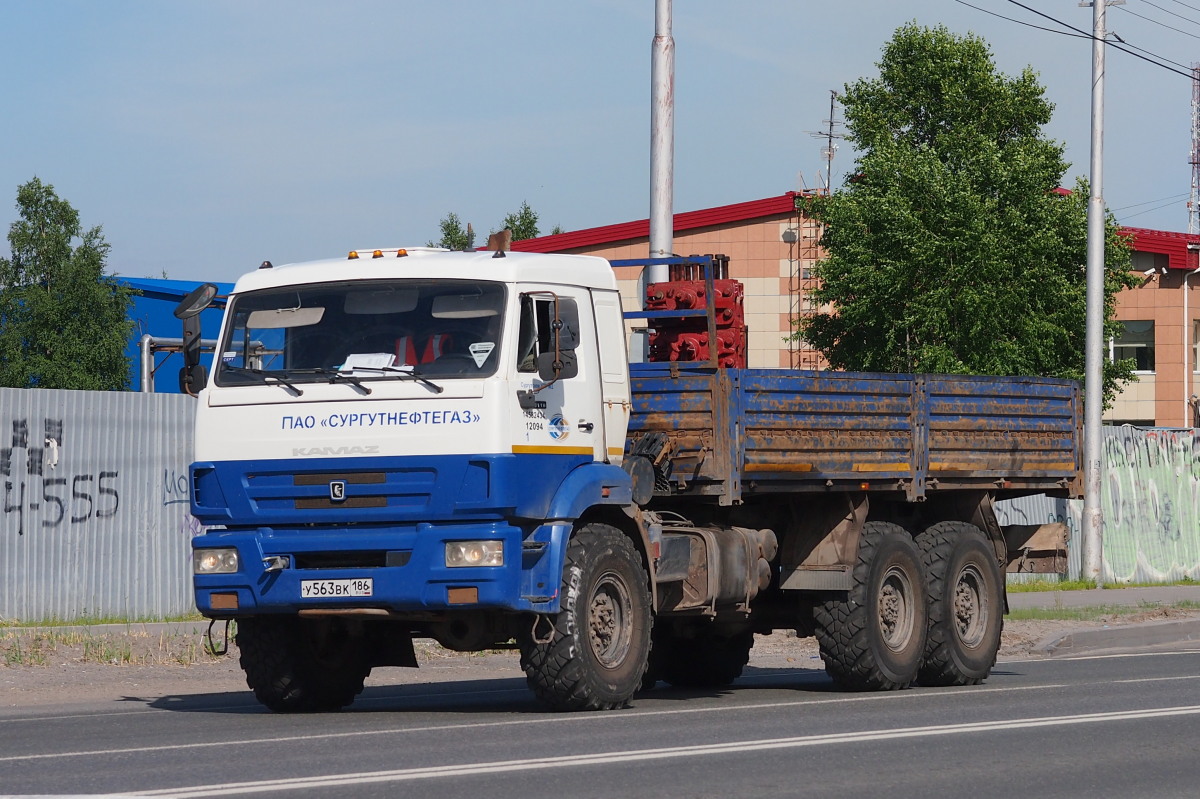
(1196, 346)
(1136, 342)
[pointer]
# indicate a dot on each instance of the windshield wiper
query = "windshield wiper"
(334, 376)
(268, 377)
(406, 374)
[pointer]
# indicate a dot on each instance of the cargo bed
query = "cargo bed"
(737, 432)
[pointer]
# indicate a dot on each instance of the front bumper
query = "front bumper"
(406, 566)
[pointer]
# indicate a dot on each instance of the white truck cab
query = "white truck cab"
(397, 353)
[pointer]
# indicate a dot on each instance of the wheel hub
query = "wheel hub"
(970, 607)
(896, 612)
(609, 613)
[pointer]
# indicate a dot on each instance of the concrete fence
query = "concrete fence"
(94, 518)
(1150, 503)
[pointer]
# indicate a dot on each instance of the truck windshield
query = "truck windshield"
(374, 330)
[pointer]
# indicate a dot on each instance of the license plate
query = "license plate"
(330, 589)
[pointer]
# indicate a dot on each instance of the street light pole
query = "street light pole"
(662, 141)
(1092, 555)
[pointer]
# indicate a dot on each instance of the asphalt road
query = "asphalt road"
(1126, 725)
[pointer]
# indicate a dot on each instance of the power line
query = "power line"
(1165, 11)
(1169, 61)
(1168, 200)
(1083, 34)
(1185, 5)
(1156, 22)
(1022, 22)
(1151, 210)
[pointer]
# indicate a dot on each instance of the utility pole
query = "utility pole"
(1194, 161)
(1092, 555)
(662, 141)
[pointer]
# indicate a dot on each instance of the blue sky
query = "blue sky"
(208, 136)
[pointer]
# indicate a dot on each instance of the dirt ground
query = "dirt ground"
(44, 668)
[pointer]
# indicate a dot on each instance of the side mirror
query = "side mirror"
(196, 301)
(193, 376)
(566, 367)
(192, 379)
(560, 362)
(566, 326)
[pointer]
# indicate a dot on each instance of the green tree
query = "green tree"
(523, 223)
(951, 249)
(63, 321)
(454, 235)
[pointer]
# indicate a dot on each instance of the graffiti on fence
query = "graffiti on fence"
(1150, 505)
(1151, 517)
(39, 494)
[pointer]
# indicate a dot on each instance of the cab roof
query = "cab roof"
(426, 262)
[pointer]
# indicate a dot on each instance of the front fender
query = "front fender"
(545, 550)
(589, 485)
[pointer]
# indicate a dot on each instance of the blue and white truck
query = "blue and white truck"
(454, 445)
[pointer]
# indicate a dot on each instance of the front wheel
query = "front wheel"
(874, 638)
(298, 665)
(595, 648)
(966, 613)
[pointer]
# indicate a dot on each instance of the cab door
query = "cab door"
(561, 410)
(614, 371)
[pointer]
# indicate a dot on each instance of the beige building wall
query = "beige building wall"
(1159, 397)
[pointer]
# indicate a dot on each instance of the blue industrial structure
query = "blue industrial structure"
(153, 315)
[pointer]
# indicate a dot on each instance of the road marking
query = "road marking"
(780, 672)
(631, 756)
(615, 715)
(1109, 656)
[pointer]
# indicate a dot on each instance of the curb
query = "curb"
(1127, 637)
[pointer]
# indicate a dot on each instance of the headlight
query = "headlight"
(214, 561)
(475, 553)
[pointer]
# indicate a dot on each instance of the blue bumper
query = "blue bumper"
(407, 568)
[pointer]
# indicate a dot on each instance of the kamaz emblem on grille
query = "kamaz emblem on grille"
(310, 452)
(337, 490)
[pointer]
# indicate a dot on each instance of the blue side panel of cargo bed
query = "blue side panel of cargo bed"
(1013, 432)
(831, 426)
(745, 431)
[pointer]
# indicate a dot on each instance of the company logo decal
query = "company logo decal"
(337, 490)
(559, 430)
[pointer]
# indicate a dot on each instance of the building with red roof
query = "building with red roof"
(772, 248)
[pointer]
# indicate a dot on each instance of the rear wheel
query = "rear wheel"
(873, 639)
(298, 665)
(966, 611)
(595, 649)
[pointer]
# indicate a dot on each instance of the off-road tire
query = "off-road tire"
(872, 638)
(966, 607)
(708, 660)
(298, 665)
(600, 639)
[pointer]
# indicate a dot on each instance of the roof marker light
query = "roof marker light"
(352, 256)
(401, 253)
(377, 254)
